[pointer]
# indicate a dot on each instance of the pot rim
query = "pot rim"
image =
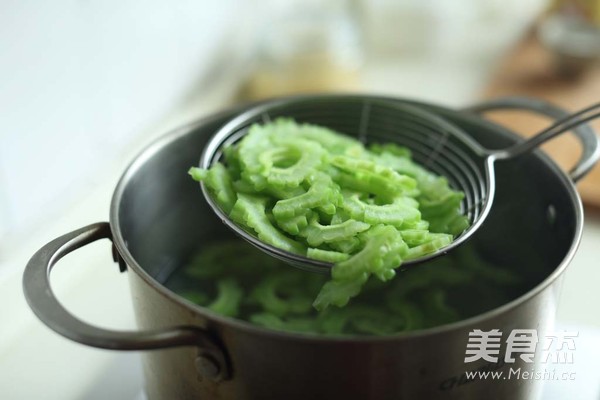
(234, 323)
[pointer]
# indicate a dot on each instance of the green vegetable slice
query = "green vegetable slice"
(339, 292)
(326, 255)
(304, 157)
(312, 191)
(268, 294)
(219, 182)
(401, 213)
(381, 254)
(293, 225)
(366, 176)
(422, 297)
(228, 298)
(348, 246)
(437, 241)
(317, 234)
(438, 203)
(332, 141)
(322, 193)
(249, 211)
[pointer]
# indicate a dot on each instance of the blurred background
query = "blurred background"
(87, 84)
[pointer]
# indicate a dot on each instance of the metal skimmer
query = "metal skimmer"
(435, 143)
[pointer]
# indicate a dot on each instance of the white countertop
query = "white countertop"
(37, 363)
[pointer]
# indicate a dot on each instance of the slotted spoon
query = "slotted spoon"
(435, 143)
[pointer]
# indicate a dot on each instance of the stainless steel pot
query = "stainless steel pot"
(158, 219)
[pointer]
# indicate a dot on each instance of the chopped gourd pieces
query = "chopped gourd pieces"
(315, 192)
(228, 298)
(232, 278)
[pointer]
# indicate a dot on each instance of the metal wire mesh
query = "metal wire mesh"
(435, 143)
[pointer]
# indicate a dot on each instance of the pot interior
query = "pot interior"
(164, 219)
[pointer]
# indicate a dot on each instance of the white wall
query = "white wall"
(80, 79)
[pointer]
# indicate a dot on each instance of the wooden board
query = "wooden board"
(530, 70)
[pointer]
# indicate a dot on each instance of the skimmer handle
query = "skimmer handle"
(564, 122)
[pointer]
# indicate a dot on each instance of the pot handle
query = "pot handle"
(590, 142)
(211, 361)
